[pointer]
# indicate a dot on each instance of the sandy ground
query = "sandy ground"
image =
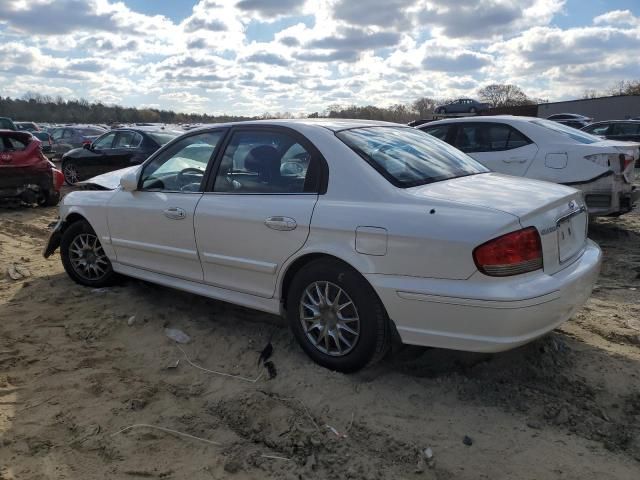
(74, 371)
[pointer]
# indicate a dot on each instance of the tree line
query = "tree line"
(45, 109)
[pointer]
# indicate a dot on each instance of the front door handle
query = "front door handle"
(175, 213)
(282, 224)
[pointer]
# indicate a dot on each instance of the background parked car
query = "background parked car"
(463, 105)
(571, 119)
(46, 141)
(537, 148)
(67, 138)
(7, 124)
(25, 173)
(27, 126)
(628, 130)
(113, 150)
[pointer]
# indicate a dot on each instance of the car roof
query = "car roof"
(484, 118)
(333, 124)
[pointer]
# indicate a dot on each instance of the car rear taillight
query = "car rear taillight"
(511, 254)
(625, 161)
(86, 142)
(58, 178)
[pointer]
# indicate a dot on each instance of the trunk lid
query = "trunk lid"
(558, 212)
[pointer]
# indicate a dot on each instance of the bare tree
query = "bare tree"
(501, 95)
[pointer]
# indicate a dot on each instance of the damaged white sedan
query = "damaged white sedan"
(545, 150)
(358, 232)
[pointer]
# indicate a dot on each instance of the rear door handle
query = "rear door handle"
(175, 213)
(515, 160)
(281, 223)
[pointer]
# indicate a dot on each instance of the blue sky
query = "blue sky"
(300, 56)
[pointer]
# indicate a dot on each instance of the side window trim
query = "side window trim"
(323, 178)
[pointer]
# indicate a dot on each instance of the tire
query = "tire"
(70, 172)
(75, 235)
(49, 199)
(372, 325)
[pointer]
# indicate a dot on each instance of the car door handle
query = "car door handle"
(515, 160)
(175, 213)
(281, 223)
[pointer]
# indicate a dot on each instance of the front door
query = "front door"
(497, 146)
(152, 227)
(257, 210)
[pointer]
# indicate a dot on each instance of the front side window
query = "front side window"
(181, 167)
(438, 131)
(597, 129)
(104, 142)
(488, 137)
(266, 161)
(408, 157)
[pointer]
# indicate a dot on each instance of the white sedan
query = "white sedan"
(354, 230)
(545, 150)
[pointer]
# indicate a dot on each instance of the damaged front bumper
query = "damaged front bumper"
(54, 239)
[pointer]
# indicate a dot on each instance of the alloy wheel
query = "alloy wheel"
(329, 318)
(87, 257)
(71, 174)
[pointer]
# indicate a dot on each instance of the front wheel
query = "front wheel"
(49, 199)
(337, 317)
(83, 257)
(70, 172)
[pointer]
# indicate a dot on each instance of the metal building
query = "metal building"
(619, 107)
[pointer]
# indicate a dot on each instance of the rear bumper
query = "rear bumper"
(484, 314)
(15, 181)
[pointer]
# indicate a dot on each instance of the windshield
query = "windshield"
(576, 135)
(408, 157)
(162, 138)
(6, 124)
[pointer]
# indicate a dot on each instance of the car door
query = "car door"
(101, 150)
(257, 209)
(152, 228)
(497, 146)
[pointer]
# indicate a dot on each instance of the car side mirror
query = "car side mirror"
(129, 181)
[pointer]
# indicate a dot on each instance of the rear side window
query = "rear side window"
(267, 161)
(407, 157)
(438, 131)
(6, 124)
(568, 132)
(164, 137)
(128, 140)
(626, 129)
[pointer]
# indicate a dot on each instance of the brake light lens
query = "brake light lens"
(58, 178)
(511, 254)
(625, 161)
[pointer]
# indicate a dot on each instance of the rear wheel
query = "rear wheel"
(70, 172)
(83, 257)
(337, 317)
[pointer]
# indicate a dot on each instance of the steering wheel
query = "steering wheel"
(183, 177)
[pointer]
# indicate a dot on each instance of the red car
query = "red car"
(25, 173)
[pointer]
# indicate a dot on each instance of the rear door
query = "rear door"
(257, 209)
(497, 146)
(126, 150)
(102, 150)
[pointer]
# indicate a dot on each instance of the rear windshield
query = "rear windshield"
(164, 137)
(408, 157)
(41, 135)
(570, 132)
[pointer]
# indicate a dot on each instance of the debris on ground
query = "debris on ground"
(176, 335)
